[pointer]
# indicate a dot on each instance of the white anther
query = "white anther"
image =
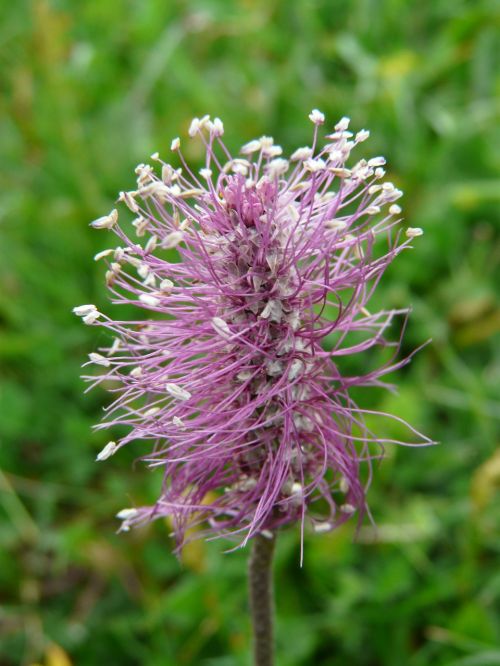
(117, 344)
(343, 124)
(413, 232)
(166, 285)
(155, 157)
(127, 514)
(274, 368)
(338, 225)
(272, 151)
(221, 327)
(347, 508)
(206, 173)
(343, 485)
(273, 311)
(143, 270)
(362, 135)
(107, 452)
(317, 117)
(102, 254)
(140, 224)
(340, 172)
(372, 210)
(178, 422)
(152, 411)
(83, 310)
(302, 154)
(251, 147)
(266, 142)
(129, 201)
(320, 528)
(377, 161)
(217, 127)
(177, 392)
(91, 318)
(107, 221)
(244, 375)
(335, 155)
(293, 319)
(99, 359)
(172, 240)
(277, 167)
(296, 367)
(394, 209)
(149, 299)
(314, 165)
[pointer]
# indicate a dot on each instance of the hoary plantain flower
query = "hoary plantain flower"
(223, 376)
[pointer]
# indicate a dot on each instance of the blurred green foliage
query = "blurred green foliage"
(91, 88)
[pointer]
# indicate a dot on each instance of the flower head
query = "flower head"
(223, 377)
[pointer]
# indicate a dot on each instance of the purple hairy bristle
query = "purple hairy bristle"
(226, 381)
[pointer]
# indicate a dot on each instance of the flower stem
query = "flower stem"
(261, 598)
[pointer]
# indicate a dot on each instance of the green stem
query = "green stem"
(261, 598)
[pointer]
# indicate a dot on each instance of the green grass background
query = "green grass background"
(89, 89)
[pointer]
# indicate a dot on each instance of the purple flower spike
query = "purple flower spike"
(226, 377)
